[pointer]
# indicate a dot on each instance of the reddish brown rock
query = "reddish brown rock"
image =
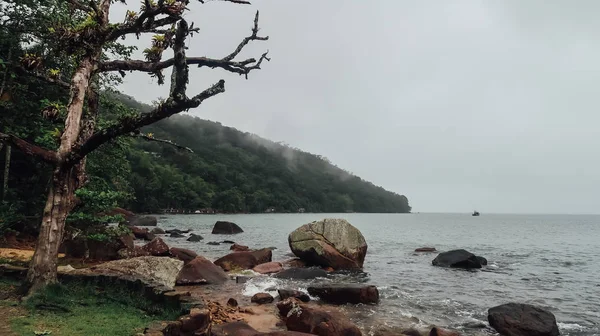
(222, 227)
(126, 241)
(312, 320)
(243, 329)
(268, 268)
(289, 293)
(343, 294)
(426, 249)
(435, 331)
(239, 248)
(262, 298)
(232, 302)
(262, 256)
(182, 254)
(237, 260)
(142, 233)
(295, 262)
(157, 247)
(201, 271)
(196, 323)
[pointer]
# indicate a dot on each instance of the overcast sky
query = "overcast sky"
(460, 105)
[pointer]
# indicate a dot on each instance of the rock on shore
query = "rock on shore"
(514, 319)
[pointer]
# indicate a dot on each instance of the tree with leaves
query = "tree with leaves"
(77, 38)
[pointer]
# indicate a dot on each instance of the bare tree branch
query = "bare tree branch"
(164, 110)
(245, 41)
(30, 149)
(169, 142)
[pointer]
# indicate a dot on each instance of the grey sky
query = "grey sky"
(460, 105)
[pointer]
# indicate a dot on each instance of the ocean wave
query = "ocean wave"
(262, 285)
(570, 326)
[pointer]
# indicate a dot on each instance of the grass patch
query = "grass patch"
(83, 309)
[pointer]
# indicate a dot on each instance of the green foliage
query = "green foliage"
(109, 233)
(84, 309)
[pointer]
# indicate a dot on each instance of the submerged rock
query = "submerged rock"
(458, 259)
(301, 273)
(342, 294)
(213, 243)
(195, 238)
(222, 227)
(199, 271)
(158, 270)
(178, 231)
(515, 319)
(329, 243)
(176, 235)
(426, 249)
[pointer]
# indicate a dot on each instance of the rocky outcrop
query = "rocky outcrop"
(157, 270)
(290, 293)
(182, 254)
(222, 227)
(157, 247)
(200, 271)
(514, 319)
(142, 233)
(329, 243)
(239, 248)
(262, 298)
(312, 320)
(268, 268)
(143, 221)
(195, 238)
(343, 294)
(301, 273)
(457, 259)
(237, 260)
(262, 256)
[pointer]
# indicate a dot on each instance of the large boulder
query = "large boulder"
(268, 268)
(157, 247)
(329, 243)
(515, 319)
(313, 320)
(182, 254)
(301, 273)
(143, 221)
(342, 294)
(222, 227)
(157, 270)
(458, 259)
(237, 260)
(201, 271)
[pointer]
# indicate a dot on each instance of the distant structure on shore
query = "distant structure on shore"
(475, 213)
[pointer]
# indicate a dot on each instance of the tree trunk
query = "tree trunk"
(61, 200)
(6, 171)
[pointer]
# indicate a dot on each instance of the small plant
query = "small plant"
(53, 73)
(131, 16)
(31, 61)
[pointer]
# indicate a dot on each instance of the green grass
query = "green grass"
(79, 309)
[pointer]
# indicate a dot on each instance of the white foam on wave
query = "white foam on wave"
(261, 285)
(570, 326)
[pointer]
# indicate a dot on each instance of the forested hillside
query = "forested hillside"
(232, 171)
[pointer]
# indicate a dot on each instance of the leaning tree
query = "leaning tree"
(87, 42)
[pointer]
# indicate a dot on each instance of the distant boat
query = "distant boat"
(475, 213)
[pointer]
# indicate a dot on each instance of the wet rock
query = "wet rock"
(482, 260)
(242, 279)
(195, 238)
(329, 243)
(268, 268)
(514, 319)
(157, 270)
(342, 294)
(301, 273)
(213, 243)
(201, 271)
(157, 231)
(143, 221)
(426, 249)
(239, 248)
(237, 260)
(197, 322)
(157, 247)
(222, 227)
(262, 298)
(295, 262)
(299, 317)
(178, 231)
(176, 235)
(262, 256)
(457, 259)
(436, 331)
(232, 302)
(228, 242)
(396, 331)
(290, 293)
(142, 233)
(182, 254)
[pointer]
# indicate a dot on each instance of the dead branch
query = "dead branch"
(169, 142)
(30, 149)
(246, 40)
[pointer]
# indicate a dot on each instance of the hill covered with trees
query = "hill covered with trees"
(233, 171)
